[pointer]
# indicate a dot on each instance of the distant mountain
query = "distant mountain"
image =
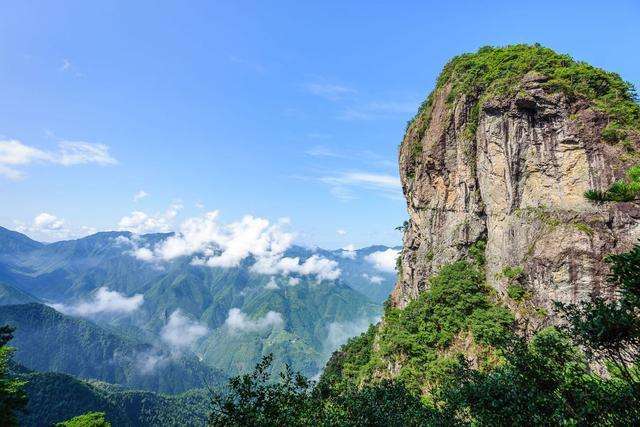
(46, 340)
(300, 322)
(12, 242)
(12, 295)
(71, 269)
(314, 315)
(55, 397)
(357, 271)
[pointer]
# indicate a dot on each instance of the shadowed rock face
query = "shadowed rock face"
(517, 181)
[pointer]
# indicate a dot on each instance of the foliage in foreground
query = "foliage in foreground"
(90, 419)
(547, 380)
(254, 400)
(12, 395)
(626, 190)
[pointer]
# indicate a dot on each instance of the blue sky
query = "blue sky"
(277, 109)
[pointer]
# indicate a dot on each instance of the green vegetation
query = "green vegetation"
(626, 190)
(12, 395)
(512, 272)
(516, 292)
(419, 337)
(456, 302)
(54, 398)
(609, 330)
(47, 340)
(497, 72)
(255, 400)
(90, 419)
(546, 380)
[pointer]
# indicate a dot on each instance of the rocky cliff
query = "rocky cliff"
(502, 153)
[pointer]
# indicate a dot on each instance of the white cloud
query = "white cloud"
(14, 153)
(45, 225)
(332, 92)
(79, 152)
(140, 222)
(103, 301)
(376, 280)
(66, 65)
(349, 252)
(341, 232)
(182, 332)
(48, 227)
(227, 245)
(384, 260)
(379, 110)
(143, 254)
(322, 268)
(86, 230)
(140, 195)
(322, 151)
(148, 361)
(10, 173)
(199, 205)
(47, 221)
(238, 321)
(271, 284)
(294, 281)
(342, 185)
(214, 244)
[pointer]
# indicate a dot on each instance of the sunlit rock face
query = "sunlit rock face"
(513, 172)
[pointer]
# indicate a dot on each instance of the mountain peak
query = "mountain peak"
(502, 153)
(12, 241)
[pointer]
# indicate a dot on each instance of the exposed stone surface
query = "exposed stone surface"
(518, 182)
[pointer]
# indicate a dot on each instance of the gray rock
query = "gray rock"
(518, 182)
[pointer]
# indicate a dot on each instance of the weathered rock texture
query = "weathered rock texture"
(518, 183)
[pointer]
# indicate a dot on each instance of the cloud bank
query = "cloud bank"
(14, 155)
(140, 222)
(104, 301)
(182, 332)
(339, 332)
(213, 244)
(344, 185)
(384, 260)
(376, 280)
(237, 321)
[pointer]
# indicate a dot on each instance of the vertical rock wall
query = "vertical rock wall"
(513, 173)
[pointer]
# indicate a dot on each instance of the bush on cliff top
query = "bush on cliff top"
(497, 71)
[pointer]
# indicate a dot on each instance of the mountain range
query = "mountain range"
(101, 313)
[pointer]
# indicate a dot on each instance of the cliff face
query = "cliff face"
(510, 168)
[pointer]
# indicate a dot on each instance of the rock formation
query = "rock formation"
(509, 165)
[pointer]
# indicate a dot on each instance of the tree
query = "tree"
(12, 395)
(90, 419)
(546, 381)
(252, 400)
(609, 330)
(627, 190)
